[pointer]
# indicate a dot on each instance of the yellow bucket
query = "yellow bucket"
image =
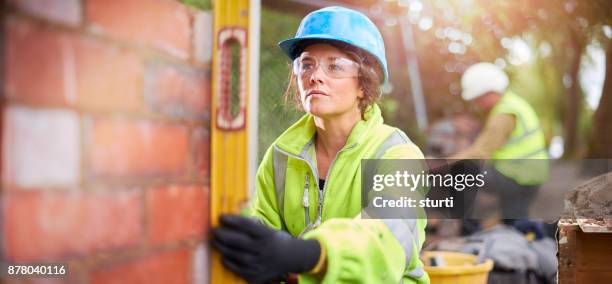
(459, 268)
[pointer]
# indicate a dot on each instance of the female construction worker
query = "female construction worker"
(308, 198)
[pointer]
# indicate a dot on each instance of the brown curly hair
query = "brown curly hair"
(370, 76)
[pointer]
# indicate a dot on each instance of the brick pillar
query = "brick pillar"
(105, 139)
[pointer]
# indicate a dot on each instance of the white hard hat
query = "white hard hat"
(481, 78)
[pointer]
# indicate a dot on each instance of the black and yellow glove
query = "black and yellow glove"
(258, 253)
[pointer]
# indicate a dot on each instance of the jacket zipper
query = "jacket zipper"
(317, 223)
(322, 192)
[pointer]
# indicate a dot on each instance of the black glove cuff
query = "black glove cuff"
(308, 253)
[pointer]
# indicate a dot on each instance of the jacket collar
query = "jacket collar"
(298, 135)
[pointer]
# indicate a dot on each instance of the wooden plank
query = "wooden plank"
(593, 257)
(583, 257)
(567, 252)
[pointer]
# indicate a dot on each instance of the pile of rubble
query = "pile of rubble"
(590, 204)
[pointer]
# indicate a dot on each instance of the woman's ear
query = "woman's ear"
(361, 93)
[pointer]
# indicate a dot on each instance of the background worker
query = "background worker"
(308, 192)
(511, 137)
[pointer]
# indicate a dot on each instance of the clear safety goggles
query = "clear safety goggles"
(334, 67)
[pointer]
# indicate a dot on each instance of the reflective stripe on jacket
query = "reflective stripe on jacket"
(525, 152)
(358, 250)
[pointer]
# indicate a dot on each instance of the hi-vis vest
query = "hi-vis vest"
(358, 250)
(523, 158)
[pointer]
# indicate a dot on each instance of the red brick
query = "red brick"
(201, 152)
(54, 68)
(163, 24)
(176, 213)
(177, 91)
(66, 12)
(41, 147)
(163, 268)
(106, 77)
(123, 148)
(47, 225)
(34, 64)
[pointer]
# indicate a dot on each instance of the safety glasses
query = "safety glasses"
(334, 67)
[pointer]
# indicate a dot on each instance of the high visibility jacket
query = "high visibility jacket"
(524, 157)
(358, 250)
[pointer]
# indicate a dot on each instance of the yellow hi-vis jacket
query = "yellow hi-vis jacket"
(358, 250)
(524, 157)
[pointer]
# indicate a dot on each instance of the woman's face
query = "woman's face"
(323, 95)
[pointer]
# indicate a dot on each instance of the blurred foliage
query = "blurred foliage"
(274, 114)
(451, 35)
(198, 4)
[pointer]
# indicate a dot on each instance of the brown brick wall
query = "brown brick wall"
(105, 136)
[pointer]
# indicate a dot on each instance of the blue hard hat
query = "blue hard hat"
(342, 25)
